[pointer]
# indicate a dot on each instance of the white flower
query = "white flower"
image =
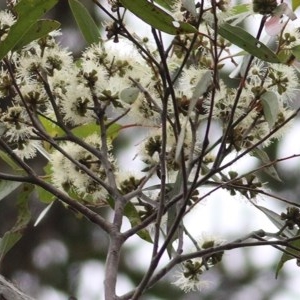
(209, 240)
(127, 181)
(284, 112)
(7, 19)
(18, 132)
(6, 83)
(290, 37)
(151, 148)
(62, 79)
(49, 60)
(189, 278)
(283, 80)
(223, 11)
(17, 123)
(143, 112)
(224, 101)
(27, 149)
(28, 65)
(32, 92)
(178, 13)
(77, 104)
(119, 60)
(56, 58)
(69, 177)
(257, 72)
(189, 79)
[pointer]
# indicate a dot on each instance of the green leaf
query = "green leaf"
(38, 30)
(28, 12)
(263, 156)
(296, 51)
(85, 22)
(129, 95)
(134, 218)
(240, 8)
(246, 41)
(43, 195)
(276, 220)
(23, 209)
(286, 257)
(113, 131)
(85, 130)
(6, 187)
(269, 101)
(286, 56)
(51, 128)
(167, 4)
(172, 211)
(295, 4)
(9, 161)
(156, 17)
(11, 237)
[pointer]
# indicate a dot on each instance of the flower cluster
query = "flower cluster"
(72, 178)
(189, 277)
(72, 109)
(45, 79)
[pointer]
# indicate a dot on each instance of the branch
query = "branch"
(8, 291)
(202, 253)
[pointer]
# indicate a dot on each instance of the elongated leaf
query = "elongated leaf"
(296, 51)
(85, 130)
(6, 187)
(9, 239)
(12, 236)
(286, 257)
(276, 220)
(8, 160)
(38, 30)
(85, 22)
(28, 12)
(113, 131)
(156, 17)
(246, 41)
(167, 4)
(263, 156)
(270, 105)
(172, 211)
(133, 216)
(51, 128)
(43, 195)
